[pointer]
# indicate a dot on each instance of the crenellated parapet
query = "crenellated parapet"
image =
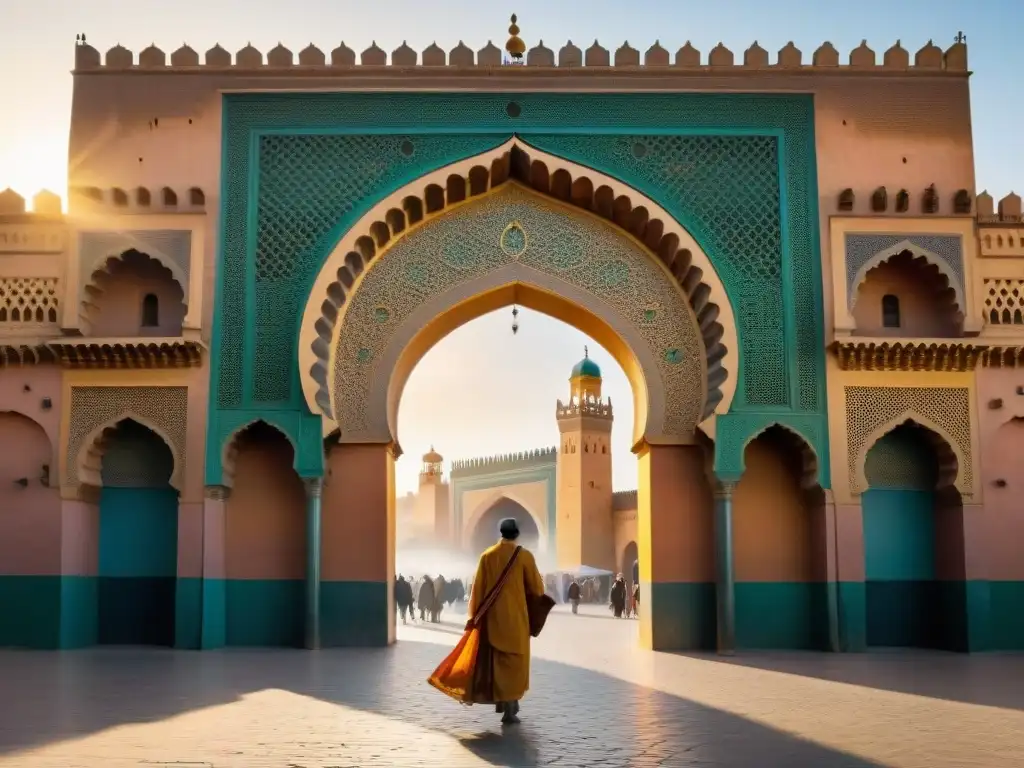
(588, 407)
(44, 204)
(624, 501)
(1007, 212)
(930, 59)
(504, 461)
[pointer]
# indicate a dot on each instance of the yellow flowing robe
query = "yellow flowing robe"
(507, 622)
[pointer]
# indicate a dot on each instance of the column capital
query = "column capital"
(314, 486)
(724, 489)
(217, 492)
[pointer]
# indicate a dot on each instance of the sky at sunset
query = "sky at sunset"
(481, 390)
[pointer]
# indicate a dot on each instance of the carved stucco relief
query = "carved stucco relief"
(869, 409)
(165, 408)
(528, 238)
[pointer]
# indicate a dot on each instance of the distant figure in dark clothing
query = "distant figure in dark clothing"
(403, 598)
(618, 596)
(573, 595)
(425, 599)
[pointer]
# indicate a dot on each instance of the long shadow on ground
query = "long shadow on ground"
(572, 717)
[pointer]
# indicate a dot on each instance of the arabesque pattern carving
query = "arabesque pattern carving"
(1004, 301)
(92, 407)
(570, 246)
(869, 408)
(28, 301)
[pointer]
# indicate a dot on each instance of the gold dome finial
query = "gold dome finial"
(515, 46)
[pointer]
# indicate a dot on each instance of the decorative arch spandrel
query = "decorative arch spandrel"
(559, 182)
(515, 237)
(873, 412)
(170, 247)
(94, 410)
(864, 252)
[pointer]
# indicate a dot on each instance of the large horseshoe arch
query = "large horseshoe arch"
(518, 225)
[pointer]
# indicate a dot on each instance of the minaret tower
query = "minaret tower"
(431, 515)
(584, 527)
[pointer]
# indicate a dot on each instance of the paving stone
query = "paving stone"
(596, 701)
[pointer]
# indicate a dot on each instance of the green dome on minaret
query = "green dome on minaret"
(586, 367)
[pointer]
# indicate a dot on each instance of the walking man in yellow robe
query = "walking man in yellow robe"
(506, 627)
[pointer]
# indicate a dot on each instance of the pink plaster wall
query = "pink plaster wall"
(116, 309)
(850, 545)
(682, 515)
(30, 525)
(1001, 435)
(80, 542)
(358, 515)
(926, 307)
(265, 527)
(190, 540)
(772, 527)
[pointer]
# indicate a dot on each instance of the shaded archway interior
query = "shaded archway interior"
(925, 302)
(133, 294)
(485, 532)
(914, 554)
(516, 166)
(138, 539)
(539, 300)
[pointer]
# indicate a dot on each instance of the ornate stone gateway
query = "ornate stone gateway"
(385, 221)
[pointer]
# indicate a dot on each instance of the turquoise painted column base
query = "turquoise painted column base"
(199, 614)
(682, 615)
(852, 600)
(1006, 599)
(353, 614)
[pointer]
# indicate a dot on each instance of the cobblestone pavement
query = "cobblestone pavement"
(596, 701)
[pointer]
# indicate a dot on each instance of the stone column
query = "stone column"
(213, 593)
(725, 581)
(314, 488)
(851, 592)
(675, 542)
(358, 552)
(831, 568)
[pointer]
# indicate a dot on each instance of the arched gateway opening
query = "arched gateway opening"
(485, 532)
(565, 242)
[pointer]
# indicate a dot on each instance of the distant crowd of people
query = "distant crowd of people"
(430, 595)
(622, 600)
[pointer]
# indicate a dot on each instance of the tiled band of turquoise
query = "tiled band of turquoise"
(682, 614)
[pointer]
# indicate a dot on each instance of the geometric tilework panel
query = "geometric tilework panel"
(136, 457)
(473, 240)
(324, 159)
(860, 249)
(308, 184)
(170, 247)
(903, 459)
(868, 408)
(729, 199)
(91, 407)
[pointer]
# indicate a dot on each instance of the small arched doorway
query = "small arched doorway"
(138, 539)
(905, 511)
(265, 541)
(485, 532)
(629, 564)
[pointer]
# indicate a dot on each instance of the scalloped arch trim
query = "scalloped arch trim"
(89, 462)
(798, 443)
(636, 215)
(950, 457)
(918, 252)
(229, 450)
(92, 285)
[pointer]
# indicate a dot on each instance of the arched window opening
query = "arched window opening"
(150, 311)
(890, 311)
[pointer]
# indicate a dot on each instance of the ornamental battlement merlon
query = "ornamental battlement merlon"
(928, 60)
(506, 460)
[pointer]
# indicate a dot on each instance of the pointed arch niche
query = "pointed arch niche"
(926, 265)
(518, 177)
